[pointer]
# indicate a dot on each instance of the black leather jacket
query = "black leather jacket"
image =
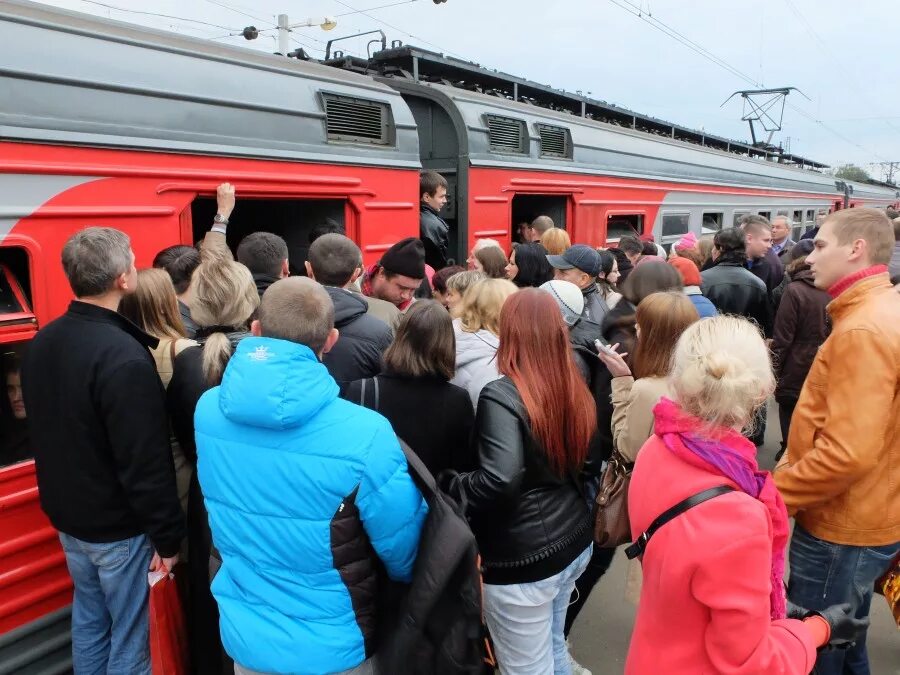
(733, 289)
(434, 232)
(529, 522)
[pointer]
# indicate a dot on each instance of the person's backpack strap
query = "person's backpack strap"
(362, 393)
(640, 545)
(419, 472)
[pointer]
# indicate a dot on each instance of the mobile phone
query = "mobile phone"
(604, 347)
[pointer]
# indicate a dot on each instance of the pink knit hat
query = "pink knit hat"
(687, 241)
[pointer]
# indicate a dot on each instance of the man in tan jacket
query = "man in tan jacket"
(841, 475)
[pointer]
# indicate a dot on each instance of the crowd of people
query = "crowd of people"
(215, 411)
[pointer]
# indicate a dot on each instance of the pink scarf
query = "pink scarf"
(727, 453)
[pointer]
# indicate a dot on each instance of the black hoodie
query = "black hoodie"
(363, 340)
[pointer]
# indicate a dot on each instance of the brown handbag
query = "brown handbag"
(611, 526)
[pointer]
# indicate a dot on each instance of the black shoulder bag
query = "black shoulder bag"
(640, 545)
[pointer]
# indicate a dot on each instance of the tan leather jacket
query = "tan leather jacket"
(841, 472)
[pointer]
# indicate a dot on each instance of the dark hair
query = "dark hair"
(493, 261)
(429, 182)
(896, 222)
(731, 241)
(649, 249)
(330, 226)
(534, 270)
(439, 280)
(652, 276)
(424, 344)
(263, 253)
(179, 261)
(12, 363)
(631, 244)
(334, 258)
(625, 265)
(607, 261)
(560, 409)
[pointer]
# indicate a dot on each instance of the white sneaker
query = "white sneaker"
(577, 668)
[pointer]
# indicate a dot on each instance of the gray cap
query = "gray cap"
(569, 298)
(580, 257)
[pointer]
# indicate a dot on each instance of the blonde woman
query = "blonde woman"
(556, 240)
(153, 307)
(477, 331)
(713, 596)
(457, 285)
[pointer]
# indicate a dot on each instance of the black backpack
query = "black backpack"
(435, 624)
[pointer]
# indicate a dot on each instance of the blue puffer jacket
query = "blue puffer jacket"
(297, 483)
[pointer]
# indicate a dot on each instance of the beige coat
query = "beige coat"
(633, 403)
(632, 425)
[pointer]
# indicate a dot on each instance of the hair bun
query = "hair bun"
(718, 365)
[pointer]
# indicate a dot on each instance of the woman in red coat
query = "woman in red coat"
(713, 597)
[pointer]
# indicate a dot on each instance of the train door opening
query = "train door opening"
(297, 221)
(439, 151)
(525, 208)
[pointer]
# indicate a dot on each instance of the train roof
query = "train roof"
(510, 121)
(69, 77)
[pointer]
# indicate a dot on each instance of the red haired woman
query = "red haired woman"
(533, 428)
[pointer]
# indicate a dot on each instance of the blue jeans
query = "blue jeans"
(110, 611)
(526, 621)
(825, 574)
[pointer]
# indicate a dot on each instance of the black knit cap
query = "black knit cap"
(406, 257)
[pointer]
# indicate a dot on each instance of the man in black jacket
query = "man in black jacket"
(730, 286)
(96, 413)
(433, 231)
(336, 263)
(266, 256)
(761, 259)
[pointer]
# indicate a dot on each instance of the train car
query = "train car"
(512, 149)
(103, 123)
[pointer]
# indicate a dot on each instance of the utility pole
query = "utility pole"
(888, 168)
(284, 34)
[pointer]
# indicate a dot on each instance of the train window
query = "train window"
(14, 443)
(737, 218)
(712, 222)
(782, 212)
(357, 120)
(555, 141)
(15, 286)
(798, 215)
(810, 216)
(506, 134)
(525, 208)
(294, 220)
(766, 214)
(618, 225)
(674, 224)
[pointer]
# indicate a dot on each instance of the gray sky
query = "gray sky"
(840, 55)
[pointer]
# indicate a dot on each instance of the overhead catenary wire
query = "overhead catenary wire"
(820, 43)
(422, 40)
(156, 14)
(693, 46)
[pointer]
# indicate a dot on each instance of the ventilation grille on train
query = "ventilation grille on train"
(554, 141)
(355, 119)
(506, 134)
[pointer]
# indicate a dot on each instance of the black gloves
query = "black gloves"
(845, 628)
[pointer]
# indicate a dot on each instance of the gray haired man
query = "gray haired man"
(97, 419)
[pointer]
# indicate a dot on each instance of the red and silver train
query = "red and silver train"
(105, 123)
